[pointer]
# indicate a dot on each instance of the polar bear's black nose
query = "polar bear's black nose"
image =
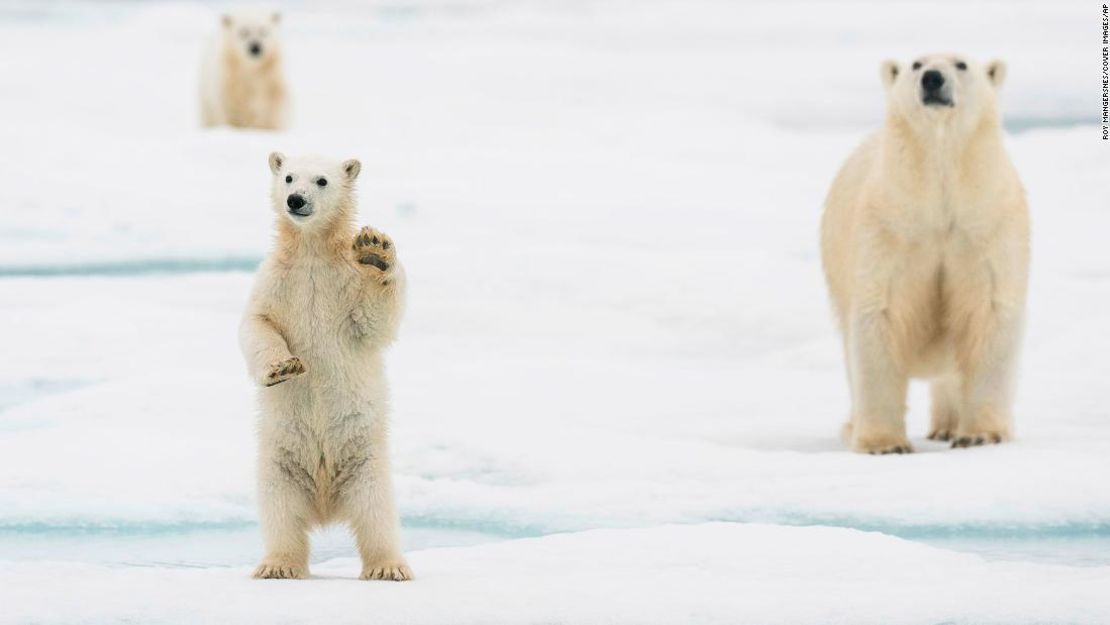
(294, 201)
(932, 80)
(255, 48)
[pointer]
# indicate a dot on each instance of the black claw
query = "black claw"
(386, 245)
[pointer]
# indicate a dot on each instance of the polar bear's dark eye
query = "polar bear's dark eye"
(323, 182)
(917, 64)
(960, 65)
(288, 179)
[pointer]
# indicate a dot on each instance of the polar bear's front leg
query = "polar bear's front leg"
(273, 117)
(988, 381)
(377, 311)
(878, 386)
(945, 408)
(267, 354)
(987, 345)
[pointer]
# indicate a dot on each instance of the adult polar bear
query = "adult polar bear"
(325, 305)
(242, 83)
(925, 245)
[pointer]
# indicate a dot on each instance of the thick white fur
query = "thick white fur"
(238, 88)
(925, 245)
(325, 305)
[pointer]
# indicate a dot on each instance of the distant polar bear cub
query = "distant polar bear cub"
(325, 305)
(925, 244)
(242, 83)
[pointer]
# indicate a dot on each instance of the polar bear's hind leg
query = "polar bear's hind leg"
(285, 516)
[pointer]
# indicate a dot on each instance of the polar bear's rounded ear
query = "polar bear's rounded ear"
(225, 19)
(277, 159)
(275, 17)
(888, 71)
(996, 71)
(351, 168)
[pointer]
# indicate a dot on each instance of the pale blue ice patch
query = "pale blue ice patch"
(15, 393)
(237, 543)
(134, 267)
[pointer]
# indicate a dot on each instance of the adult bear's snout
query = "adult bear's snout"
(932, 80)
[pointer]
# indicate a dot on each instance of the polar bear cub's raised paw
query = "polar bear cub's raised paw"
(375, 250)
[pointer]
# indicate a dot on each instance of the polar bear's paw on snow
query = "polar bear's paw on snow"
(284, 370)
(273, 569)
(879, 443)
(940, 434)
(943, 425)
(981, 436)
(888, 447)
(388, 571)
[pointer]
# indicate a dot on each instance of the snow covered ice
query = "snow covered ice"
(593, 409)
(711, 573)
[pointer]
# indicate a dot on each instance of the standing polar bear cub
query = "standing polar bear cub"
(325, 305)
(242, 83)
(925, 245)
